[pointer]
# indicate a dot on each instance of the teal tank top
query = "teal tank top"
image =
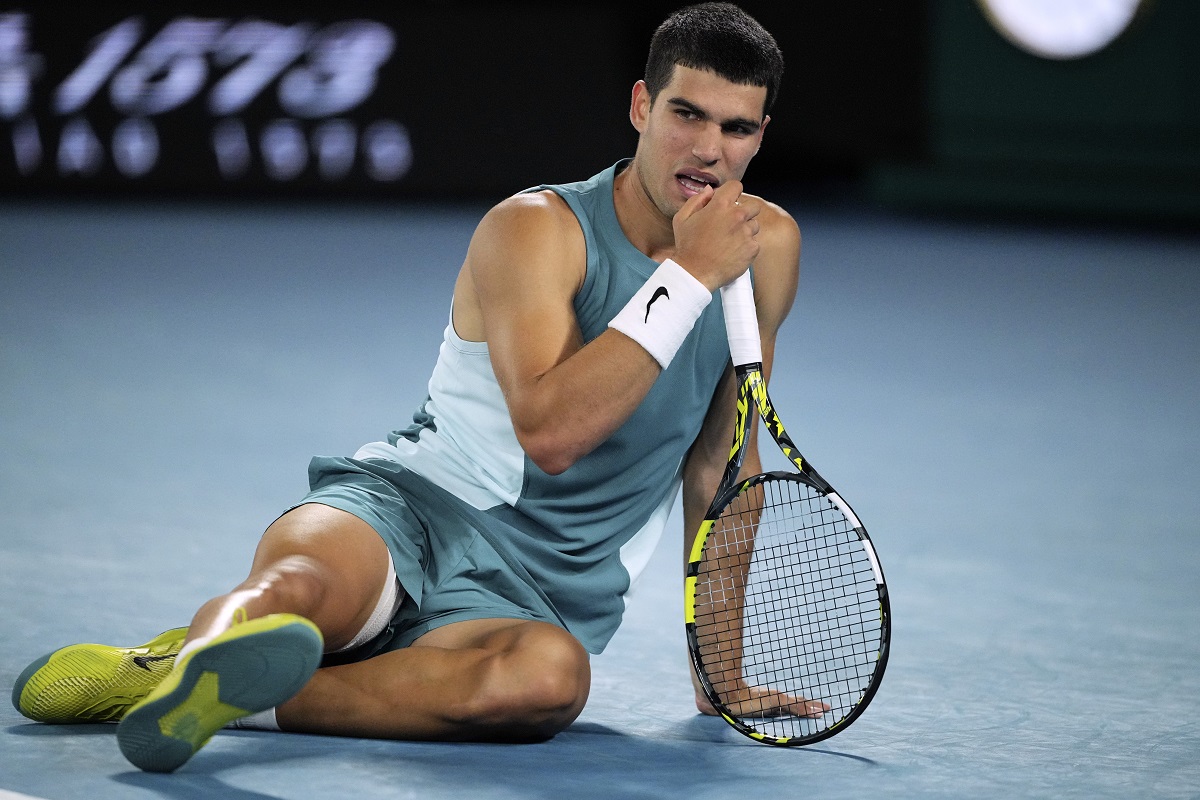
(583, 535)
(612, 489)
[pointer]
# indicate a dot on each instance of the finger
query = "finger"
(750, 207)
(695, 203)
(730, 190)
(809, 708)
(800, 706)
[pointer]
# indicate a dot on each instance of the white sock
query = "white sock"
(262, 721)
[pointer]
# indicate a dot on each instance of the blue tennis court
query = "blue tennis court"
(1011, 408)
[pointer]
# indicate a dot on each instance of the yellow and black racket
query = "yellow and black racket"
(787, 612)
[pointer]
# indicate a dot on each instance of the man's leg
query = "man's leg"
(497, 679)
(479, 680)
(299, 558)
(316, 577)
(315, 561)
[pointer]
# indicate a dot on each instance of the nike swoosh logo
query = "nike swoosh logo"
(145, 661)
(659, 292)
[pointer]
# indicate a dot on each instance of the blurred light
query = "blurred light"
(284, 149)
(135, 147)
(1061, 29)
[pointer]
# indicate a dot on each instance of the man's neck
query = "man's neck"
(644, 225)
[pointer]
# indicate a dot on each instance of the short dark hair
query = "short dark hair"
(720, 38)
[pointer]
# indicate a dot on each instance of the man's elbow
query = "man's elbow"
(551, 453)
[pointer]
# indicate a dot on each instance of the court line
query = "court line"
(7, 795)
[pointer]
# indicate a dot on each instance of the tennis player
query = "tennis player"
(450, 582)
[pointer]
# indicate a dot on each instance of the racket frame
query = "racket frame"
(753, 403)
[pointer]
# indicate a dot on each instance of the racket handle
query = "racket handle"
(741, 321)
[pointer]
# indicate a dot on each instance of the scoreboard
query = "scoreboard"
(227, 98)
(114, 106)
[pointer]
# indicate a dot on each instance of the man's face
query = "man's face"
(701, 129)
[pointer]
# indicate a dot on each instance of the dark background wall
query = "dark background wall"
(1112, 134)
(915, 104)
(492, 96)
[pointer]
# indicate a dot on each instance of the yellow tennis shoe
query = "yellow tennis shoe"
(254, 665)
(94, 682)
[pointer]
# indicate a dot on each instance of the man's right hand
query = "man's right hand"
(716, 234)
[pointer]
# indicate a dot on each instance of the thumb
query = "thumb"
(695, 203)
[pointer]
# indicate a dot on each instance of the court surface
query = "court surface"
(1012, 409)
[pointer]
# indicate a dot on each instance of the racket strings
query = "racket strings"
(787, 609)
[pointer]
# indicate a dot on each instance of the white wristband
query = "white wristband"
(660, 315)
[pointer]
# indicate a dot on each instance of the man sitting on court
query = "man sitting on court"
(450, 582)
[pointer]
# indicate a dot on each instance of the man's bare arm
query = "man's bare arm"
(523, 269)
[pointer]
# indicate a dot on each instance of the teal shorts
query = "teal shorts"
(449, 569)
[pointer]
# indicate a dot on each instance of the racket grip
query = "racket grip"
(741, 321)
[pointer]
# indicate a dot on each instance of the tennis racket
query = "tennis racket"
(786, 609)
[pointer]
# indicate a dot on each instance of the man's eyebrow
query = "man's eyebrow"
(740, 122)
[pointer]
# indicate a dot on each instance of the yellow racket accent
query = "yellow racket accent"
(689, 599)
(698, 542)
(745, 393)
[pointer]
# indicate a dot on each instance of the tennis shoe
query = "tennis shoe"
(94, 682)
(254, 665)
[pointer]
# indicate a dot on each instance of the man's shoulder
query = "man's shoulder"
(529, 223)
(542, 207)
(777, 225)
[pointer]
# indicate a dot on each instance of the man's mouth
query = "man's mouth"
(694, 183)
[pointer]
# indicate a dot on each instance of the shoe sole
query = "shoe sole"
(87, 683)
(251, 667)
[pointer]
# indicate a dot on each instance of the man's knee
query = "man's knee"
(561, 677)
(322, 563)
(297, 582)
(537, 687)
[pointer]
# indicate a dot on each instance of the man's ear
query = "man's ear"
(639, 106)
(762, 129)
